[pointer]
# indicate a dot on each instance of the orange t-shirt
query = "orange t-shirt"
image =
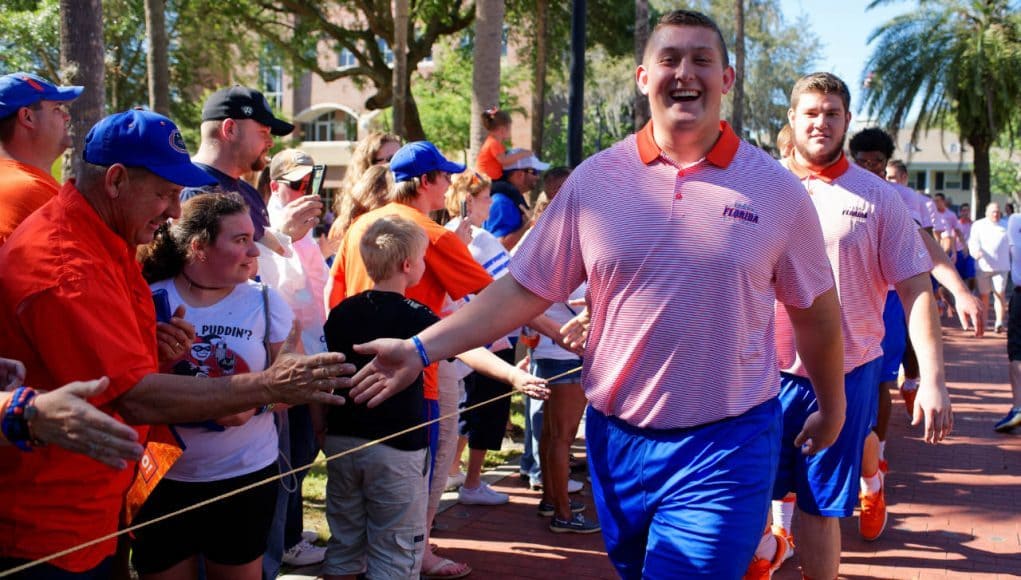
(449, 268)
(73, 306)
(23, 189)
(488, 162)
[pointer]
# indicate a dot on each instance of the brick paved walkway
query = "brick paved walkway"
(955, 509)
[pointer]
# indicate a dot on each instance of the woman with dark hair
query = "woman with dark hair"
(205, 262)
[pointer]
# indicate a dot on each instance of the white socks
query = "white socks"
(872, 485)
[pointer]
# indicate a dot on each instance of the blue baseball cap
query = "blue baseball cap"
(139, 138)
(23, 89)
(418, 158)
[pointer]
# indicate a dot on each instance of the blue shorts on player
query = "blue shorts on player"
(683, 503)
(827, 482)
(965, 265)
(895, 340)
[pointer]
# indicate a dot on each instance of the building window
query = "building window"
(940, 177)
(920, 180)
(346, 58)
(332, 126)
(966, 180)
(271, 81)
(388, 55)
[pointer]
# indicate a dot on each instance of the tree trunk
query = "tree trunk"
(737, 118)
(541, 54)
(402, 12)
(486, 69)
(641, 108)
(156, 59)
(413, 130)
(980, 158)
(81, 62)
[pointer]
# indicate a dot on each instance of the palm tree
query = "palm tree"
(956, 63)
(486, 66)
(81, 62)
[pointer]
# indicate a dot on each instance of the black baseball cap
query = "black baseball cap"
(240, 102)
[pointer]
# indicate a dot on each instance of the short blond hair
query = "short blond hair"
(462, 186)
(387, 242)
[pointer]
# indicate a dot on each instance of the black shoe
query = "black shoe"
(577, 525)
(547, 509)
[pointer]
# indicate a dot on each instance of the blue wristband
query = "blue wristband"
(421, 351)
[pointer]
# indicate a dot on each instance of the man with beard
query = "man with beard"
(871, 242)
(237, 132)
(33, 133)
(683, 234)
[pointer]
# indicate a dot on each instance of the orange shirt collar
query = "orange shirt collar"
(828, 174)
(721, 154)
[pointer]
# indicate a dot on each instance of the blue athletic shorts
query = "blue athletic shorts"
(895, 340)
(965, 266)
(827, 482)
(683, 503)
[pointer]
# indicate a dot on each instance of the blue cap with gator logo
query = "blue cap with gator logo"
(139, 138)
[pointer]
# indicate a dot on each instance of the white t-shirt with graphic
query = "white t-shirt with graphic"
(229, 341)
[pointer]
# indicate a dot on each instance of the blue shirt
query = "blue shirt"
(504, 215)
(227, 184)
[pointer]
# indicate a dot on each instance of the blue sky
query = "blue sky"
(843, 27)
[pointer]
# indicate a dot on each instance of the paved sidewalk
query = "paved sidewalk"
(955, 509)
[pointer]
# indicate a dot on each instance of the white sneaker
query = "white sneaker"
(574, 486)
(309, 536)
(481, 495)
(304, 554)
(454, 481)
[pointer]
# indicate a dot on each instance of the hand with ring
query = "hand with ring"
(174, 338)
(297, 379)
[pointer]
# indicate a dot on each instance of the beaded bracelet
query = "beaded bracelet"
(14, 424)
(421, 351)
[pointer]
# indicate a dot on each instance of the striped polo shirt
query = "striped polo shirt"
(871, 242)
(683, 267)
(916, 204)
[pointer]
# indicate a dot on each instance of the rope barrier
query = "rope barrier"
(317, 461)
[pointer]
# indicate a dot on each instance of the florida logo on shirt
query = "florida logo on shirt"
(857, 211)
(741, 211)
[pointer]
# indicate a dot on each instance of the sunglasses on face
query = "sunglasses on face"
(380, 160)
(298, 185)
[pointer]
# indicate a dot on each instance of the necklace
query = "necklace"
(194, 284)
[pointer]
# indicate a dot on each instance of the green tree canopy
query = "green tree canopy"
(955, 63)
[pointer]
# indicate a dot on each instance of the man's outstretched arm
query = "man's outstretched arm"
(503, 305)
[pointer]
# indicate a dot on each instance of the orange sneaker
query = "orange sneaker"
(761, 568)
(872, 519)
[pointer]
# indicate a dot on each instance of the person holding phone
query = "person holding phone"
(298, 271)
